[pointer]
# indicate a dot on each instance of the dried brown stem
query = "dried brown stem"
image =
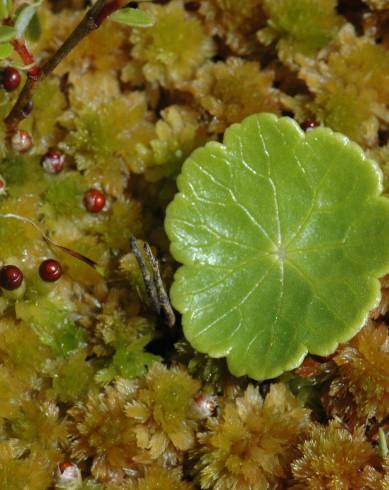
(90, 22)
(50, 242)
(163, 298)
(155, 289)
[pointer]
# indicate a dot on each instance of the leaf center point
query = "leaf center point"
(280, 253)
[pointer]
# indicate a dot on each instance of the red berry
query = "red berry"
(94, 200)
(53, 162)
(309, 124)
(11, 79)
(206, 404)
(2, 186)
(11, 277)
(64, 466)
(50, 270)
(69, 476)
(21, 141)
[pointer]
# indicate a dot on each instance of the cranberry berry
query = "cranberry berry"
(21, 141)
(309, 124)
(94, 200)
(50, 270)
(53, 162)
(11, 277)
(3, 186)
(64, 466)
(11, 79)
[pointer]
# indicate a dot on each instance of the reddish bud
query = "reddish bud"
(50, 270)
(34, 73)
(206, 404)
(64, 466)
(94, 200)
(11, 277)
(68, 476)
(53, 162)
(21, 141)
(11, 79)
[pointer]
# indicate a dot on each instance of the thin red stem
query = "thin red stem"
(27, 57)
(91, 21)
(25, 54)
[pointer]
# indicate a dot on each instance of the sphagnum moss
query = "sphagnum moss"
(89, 378)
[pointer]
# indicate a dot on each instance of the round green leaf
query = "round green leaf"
(283, 236)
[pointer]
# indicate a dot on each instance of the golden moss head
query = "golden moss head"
(235, 22)
(20, 468)
(100, 430)
(174, 47)
(232, 90)
(345, 98)
(362, 388)
(252, 442)
(165, 413)
(332, 457)
(303, 27)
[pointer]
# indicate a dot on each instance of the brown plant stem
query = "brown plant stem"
(50, 242)
(92, 20)
(157, 296)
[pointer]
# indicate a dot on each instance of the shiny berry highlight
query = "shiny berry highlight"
(11, 79)
(53, 162)
(50, 270)
(21, 141)
(11, 277)
(94, 200)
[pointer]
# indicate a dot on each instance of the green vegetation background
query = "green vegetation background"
(93, 394)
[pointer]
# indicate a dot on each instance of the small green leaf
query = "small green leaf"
(132, 17)
(5, 50)
(23, 18)
(7, 33)
(3, 9)
(34, 29)
(382, 443)
(283, 237)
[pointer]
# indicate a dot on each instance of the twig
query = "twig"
(163, 297)
(155, 289)
(50, 242)
(151, 290)
(90, 22)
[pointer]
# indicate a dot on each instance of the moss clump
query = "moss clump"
(172, 50)
(165, 414)
(252, 442)
(236, 23)
(332, 457)
(302, 28)
(233, 90)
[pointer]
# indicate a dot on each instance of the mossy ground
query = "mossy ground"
(94, 392)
